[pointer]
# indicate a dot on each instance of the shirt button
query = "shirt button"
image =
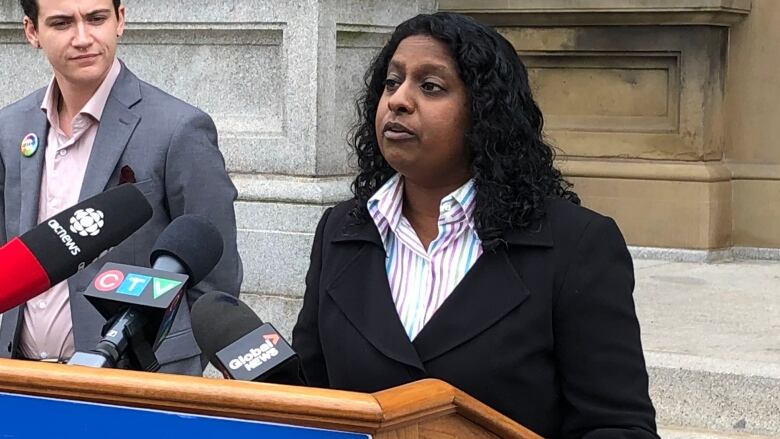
(42, 305)
(63, 152)
(44, 355)
(446, 207)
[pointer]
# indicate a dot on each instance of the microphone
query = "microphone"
(239, 344)
(57, 248)
(139, 303)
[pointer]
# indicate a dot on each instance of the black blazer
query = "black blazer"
(543, 330)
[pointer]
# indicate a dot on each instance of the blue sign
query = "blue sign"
(32, 417)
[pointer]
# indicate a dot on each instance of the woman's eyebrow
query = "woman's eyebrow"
(422, 69)
(435, 68)
(395, 64)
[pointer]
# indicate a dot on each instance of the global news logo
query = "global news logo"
(257, 356)
(133, 284)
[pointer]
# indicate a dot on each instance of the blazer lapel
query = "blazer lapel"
(32, 170)
(490, 290)
(117, 124)
(362, 293)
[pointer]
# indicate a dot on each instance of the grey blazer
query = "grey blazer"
(172, 148)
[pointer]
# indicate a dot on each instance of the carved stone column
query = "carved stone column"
(633, 97)
(279, 78)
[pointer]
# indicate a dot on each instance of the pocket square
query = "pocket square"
(126, 175)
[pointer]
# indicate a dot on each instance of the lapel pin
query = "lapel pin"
(29, 145)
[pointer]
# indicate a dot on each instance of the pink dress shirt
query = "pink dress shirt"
(47, 333)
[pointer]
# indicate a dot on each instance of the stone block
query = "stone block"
(24, 68)
(274, 262)
(756, 212)
(674, 205)
(602, 12)
(639, 92)
(688, 396)
(278, 217)
(280, 311)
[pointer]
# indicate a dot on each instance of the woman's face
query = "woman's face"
(423, 114)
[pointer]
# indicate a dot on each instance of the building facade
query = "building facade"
(663, 111)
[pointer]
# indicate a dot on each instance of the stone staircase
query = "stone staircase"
(711, 334)
(675, 433)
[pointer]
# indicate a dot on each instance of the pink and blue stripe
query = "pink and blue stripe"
(421, 279)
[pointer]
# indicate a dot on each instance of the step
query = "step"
(683, 433)
(711, 335)
(715, 394)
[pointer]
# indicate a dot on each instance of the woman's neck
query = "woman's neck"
(421, 207)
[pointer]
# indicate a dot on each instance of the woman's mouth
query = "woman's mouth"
(397, 131)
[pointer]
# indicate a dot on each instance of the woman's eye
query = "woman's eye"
(431, 87)
(391, 84)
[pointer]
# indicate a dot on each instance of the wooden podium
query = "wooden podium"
(424, 409)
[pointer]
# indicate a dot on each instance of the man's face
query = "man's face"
(79, 38)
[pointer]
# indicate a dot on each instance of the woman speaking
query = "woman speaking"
(464, 255)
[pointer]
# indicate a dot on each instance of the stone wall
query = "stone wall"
(662, 111)
(279, 78)
(752, 129)
(651, 104)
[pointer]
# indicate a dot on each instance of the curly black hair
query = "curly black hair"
(511, 164)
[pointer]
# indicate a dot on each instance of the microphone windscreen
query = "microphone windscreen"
(21, 275)
(194, 241)
(219, 319)
(72, 239)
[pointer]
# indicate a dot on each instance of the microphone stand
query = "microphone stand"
(122, 335)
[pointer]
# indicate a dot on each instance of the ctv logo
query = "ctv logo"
(133, 284)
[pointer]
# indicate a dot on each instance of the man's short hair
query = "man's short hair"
(30, 8)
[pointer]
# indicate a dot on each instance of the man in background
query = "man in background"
(95, 126)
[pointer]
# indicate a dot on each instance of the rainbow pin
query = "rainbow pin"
(29, 145)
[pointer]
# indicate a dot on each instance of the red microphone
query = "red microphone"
(21, 275)
(67, 242)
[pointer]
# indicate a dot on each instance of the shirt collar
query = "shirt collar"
(96, 104)
(459, 205)
(385, 206)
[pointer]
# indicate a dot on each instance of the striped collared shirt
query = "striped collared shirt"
(421, 280)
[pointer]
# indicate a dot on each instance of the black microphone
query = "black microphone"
(60, 246)
(139, 303)
(239, 344)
